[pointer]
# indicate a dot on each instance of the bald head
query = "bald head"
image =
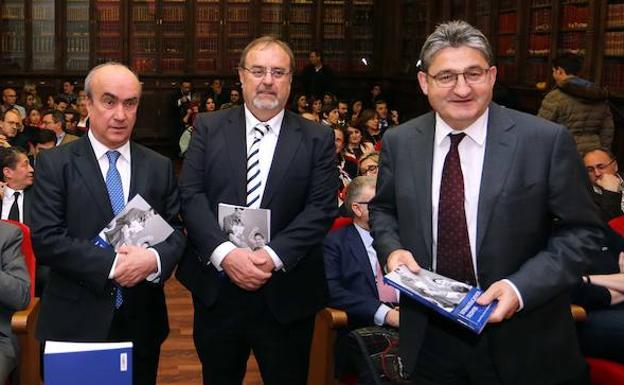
(102, 70)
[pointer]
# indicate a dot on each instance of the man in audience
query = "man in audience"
(83, 116)
(70, 122)
(11, 123)
(263, 300)
(579, 105)
(472, 191)
(99, 294)
(17, 175)
(381, 108)
(180, 101)
(9, 101)
(55, 121)
(607, 183)
(317, 78)
(68, 93)
(61, 104)
(219, 95)
(235, 97)
(44, 140)
(14, 294)
(343, 111)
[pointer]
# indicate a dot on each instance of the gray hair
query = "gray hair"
(94, 70)
(266, 41)
(355, 188)
(454, 34)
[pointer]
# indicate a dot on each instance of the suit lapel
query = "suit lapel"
(499, 153)
(236, 141)
(360, 255)
(85, 163)
(421, 153)
(285, 149)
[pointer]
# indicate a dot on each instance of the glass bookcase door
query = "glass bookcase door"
(12, 35)
(538, 69)
(173, 36)
(300, 30)
(613, 52)
(362, 35)
(43, 35)
(271, 18)
(333, 34)
(238, 30)
(207, 34)
(77, 35)
(108, 32)
(143, 36)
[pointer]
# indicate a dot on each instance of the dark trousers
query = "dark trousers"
(602, 334)
(239, 322)
(145, 349)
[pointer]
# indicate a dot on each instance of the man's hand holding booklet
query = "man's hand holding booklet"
(452, 299)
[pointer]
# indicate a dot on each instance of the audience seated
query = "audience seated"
(346, 170)
(369, 164)
(9, 127)
(14, 294)
(607, 183)
(330, 115)
(369, 125)
(355, 279)
(9, 101)
(355, 146)
(55, 121)
(44, 140)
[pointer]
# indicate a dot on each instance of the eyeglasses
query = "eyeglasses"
(369, 169)
(260, 72)
(599, 167)
(448, 79)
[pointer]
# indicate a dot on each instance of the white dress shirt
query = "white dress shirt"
(367, 239)
(7, 203)
(124, 167)
(471, 153)
(267, 150)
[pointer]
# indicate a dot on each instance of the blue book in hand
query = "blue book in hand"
(450, 298)
(76, 363)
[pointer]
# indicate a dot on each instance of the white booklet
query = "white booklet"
(137, 224)
(245, 226)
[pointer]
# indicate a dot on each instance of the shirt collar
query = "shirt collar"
(476, 131)
(100, 149)
(275, 122)
(365, 235)
(9, 192)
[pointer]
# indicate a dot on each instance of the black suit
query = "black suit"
(71, 206)
(535, 226)
(27, 207)
(299, 192)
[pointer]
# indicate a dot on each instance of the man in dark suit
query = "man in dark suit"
(263, 299)
(102, 294)
(606, 182)
(17, 175)
(499, 203)
(14, 294)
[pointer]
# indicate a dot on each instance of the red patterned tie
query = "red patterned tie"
(386, 292)
(454, 259)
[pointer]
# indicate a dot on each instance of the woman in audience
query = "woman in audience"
(50, 103)
(330, 114)
(33, 118)
(346, 170)
(317, 106)
(356, 110)
(369, 164)
(355, 147)
(300, 104)
(368, 123)
(210, 104)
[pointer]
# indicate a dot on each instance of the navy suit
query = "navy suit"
(350, 277)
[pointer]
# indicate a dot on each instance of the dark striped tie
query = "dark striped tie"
(254, 181)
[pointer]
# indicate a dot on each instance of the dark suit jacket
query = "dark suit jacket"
(350, 278)
(27, 207)
(535, 226)
(300, 192)
(71, 206)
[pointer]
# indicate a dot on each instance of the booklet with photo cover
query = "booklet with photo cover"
(137, 224)
(452, 299)
(245, 226)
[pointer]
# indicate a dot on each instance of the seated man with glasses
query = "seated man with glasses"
(607, 184)
(9, 126)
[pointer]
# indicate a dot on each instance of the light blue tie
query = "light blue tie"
(116, 196)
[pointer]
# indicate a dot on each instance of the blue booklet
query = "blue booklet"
(448, 297)
(77, 363)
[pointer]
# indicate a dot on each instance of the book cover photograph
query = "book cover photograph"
(137, 224)
(245, 227)
(448, 297)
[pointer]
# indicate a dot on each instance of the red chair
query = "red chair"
(617, 224)
(24, 322)
(341, 222)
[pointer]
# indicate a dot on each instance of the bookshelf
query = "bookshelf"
(13, 35)
(207, 30)
(505, 39)
(108, 34)
(301, 29)
(43, 35)
(77, 36)
(540, 39)
(611, 47)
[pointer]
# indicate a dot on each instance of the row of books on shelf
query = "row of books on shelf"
(274, 29)
(77, 27)
(539, 45)
(334, 31)
(300, 30)
(207, 64)
(572, 42)
(333, 15)
(77, 44)
(613, 75)
(239, 29)
(108, 13)
(507, 22)
(575, 16)
(537, 72)
(43, 29)
(238, 14)
(301, 46)
(43, 44)
(271, 15)
(174, 14)
(43, 63)
(541, 20)
(505, 46)
(78, 13)
(143, 13)
(108, 45)
(11, 43)
(208, 13)
(77, 64)
(300, 14)
(615, 15)
(207, 45)
(109, 27)
(614, 43)
(540, 3)
(203, 29)
(43, 12)
(12, 11)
